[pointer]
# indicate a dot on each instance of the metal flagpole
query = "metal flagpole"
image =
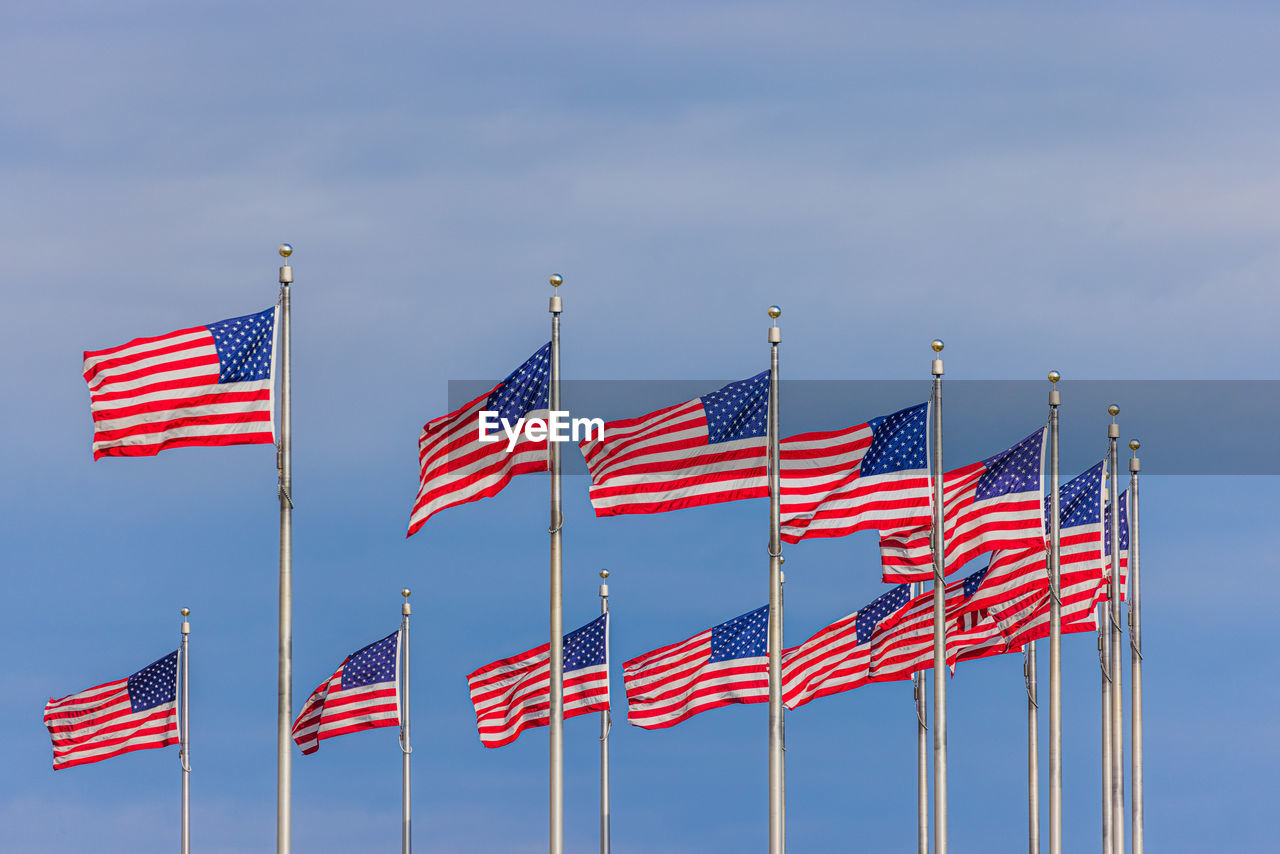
(1033, 748)
(939, 544)
(1113, 634)
(557, 604)
(406, 747)
(606, 724)
(1135, 651)
(777, 756)
(184, 748)
(922, 753)
(1104, 660)
(1055, 625)
(284, 678)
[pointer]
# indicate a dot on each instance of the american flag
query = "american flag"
(836, 658)
(207, 385)
(725, 664)
(136, 713)
(364, 693)
(456, 467)
(906, 644)
(872, 476)
(704, 451)
(994, 504)
(514, 694)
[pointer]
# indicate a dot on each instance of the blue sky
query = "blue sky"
(1087, 189)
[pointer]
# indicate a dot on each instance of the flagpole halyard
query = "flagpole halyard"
(284, 676)
(406, 746)
(939, 546)
(1055, 624)
(922, 751)
(1135, 651)
(777, 756)
(184, 747)
(1113, 635)
(556, 842)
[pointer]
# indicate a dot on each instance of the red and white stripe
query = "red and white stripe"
(163, 392)
(906, 646)
(677, 681)
(661, 461)
(971, 528)
(824, 495)
(514, 694)
(828, 663)
(331, 711)
(97, 724)
(455, 467)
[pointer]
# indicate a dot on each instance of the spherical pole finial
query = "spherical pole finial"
(604, 573)
(1054, 376)
(186, 612)
(937, 345)
(1134, 445)
(405, 592)
(556, 280)
(775, 312)
(1113, 410)
(285, 250)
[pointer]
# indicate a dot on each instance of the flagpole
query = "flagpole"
(939, 545)
(406, 747)
(1135, 651)
(922, 752)
(1113, 634)
(777, 757)
(184, 749)
(284, 675)
(606, 724)
(1055, 624)
(1033, 748)
(557, 604)
(1104, 661)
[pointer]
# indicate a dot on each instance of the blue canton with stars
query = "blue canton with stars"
(1124, 525)
(585, 647)
(738, 411)
(1079, 500)
(1015, 470)
(742, 637)
(883, 606)
(375, 663)
(973, 582)
(528, 388)
(898, 442)
(155, 684)
(244, 346)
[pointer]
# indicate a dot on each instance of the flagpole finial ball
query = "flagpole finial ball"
(186, 612)
(1113, 410)
(405, 592)
(937, 345)
(604, 573)
(285, 250)
(556, 280)
(1134, 444)
(1054, 376)
(775, 312)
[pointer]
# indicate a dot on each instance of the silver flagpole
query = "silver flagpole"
(1104, 661)
(1114, 633)
(1033, 748)
(406, 746)
(557, 603)
(606, 724)
(284, 677)
(939, 544)
(1055, 625)
(184, 748)
(922, 753)
(1135, 650)
(777, 756)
